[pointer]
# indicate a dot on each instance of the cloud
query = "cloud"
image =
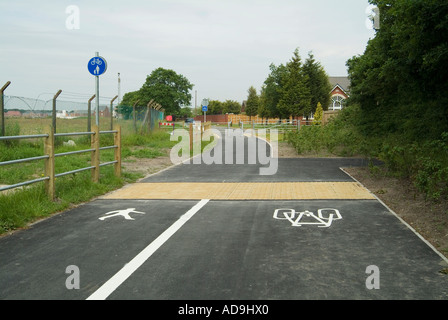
(223, 47)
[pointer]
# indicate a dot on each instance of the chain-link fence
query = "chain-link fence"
(42, 112)
(144, 119)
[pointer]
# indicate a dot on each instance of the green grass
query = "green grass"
(21, 207)
(24, 205)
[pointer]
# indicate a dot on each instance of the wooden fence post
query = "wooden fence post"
(95, 144)
(117, 142)
(2, 109)
(49, 164)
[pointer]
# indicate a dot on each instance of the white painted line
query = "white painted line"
(113, 283)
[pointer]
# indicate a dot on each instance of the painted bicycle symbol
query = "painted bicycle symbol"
(323, 219)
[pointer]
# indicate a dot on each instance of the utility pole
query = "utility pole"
(119, 89)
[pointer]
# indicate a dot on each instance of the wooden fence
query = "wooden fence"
(50, 155)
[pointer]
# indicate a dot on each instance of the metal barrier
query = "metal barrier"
(49, 157)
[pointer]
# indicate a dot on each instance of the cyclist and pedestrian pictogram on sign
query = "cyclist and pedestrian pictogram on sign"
(97, 66)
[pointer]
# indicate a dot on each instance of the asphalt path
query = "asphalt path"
(171, 249)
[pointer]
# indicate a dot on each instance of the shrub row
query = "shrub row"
(424, 162)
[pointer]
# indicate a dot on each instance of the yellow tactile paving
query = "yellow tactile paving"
(244, 191)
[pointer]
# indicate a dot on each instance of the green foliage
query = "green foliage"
(169, 89)
(318, 115)
(400, 81)
(164, 86)
(400, 85)
(253, 102)
(185, 112)
(424, 163)
(219, 107)
(272, 91)
(21, 206)
(296, 94)
(294, 89)
(215, 107)
(232, 106)
(318, 83)
(11, 129)
(339, 137)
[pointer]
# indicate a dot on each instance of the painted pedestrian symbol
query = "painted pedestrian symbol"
(124, 213)
(323, 219)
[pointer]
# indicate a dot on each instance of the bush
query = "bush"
(339, 137)
(424, 162)
(431, 168)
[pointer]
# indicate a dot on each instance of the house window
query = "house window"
(337, 103)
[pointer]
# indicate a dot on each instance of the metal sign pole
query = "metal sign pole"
(205, 109)
(97, 90)
(97, 66)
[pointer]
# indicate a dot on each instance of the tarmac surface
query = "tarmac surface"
(179, 245)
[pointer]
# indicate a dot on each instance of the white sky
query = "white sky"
(223, 47)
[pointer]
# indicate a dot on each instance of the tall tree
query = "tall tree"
(400, 82)
(272, 90)
(296, 96)
(125, 107)
(232, 106)
(318, 83)
(169, 89)
(252, 102)
(215, 107)
(263, 110)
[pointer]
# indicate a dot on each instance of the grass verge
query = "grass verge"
(25, 205)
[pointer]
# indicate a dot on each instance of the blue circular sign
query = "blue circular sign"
(97, 66)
